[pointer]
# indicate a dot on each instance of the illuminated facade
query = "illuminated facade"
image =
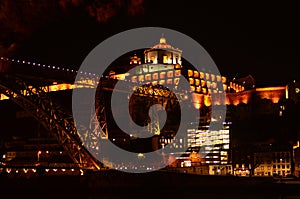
(162, 65)
(273, 163)
(214, 145)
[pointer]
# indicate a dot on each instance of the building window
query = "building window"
(223, 79)
(155, 76)
(191, 80)
(177, 73)
(162, 75)
(169, 81)
(165, 59)
(176, 81)
(202, 75)
(148, 77)
(192, 88)
(207, 76)
(134, 79)
(208, 83)
(152, 59)
(141, 78)
(197, 82)
(162, 82)
(170, 74)
(213, 77)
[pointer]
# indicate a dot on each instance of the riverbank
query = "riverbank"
(115, 184)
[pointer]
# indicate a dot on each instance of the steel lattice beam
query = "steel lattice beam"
(36, 102)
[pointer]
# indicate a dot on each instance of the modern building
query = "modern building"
(273, 163)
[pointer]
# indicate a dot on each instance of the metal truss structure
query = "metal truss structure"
(35, 101)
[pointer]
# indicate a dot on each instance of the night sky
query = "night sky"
(261, 39)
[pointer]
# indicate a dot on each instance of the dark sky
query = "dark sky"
(261, 39)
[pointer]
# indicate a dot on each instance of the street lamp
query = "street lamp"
(38, 155)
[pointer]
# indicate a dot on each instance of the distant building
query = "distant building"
(213, 144)
(273, 163)
(263, 160)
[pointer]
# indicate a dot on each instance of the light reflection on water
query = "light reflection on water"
(125, 186)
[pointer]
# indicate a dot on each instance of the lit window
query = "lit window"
(152, 59)
(202, 75)
(165, 59)
(213, 77)
(162, 82)
(162, 75)
(191, 80)
(208, 83)
(155, 76)
(141, 78)
(207, 76)
(148, 77)
(225, 87)
(214, 84)
(170, 74)
(192, 88)
(134, 79)
(223, 79)
(190, 73)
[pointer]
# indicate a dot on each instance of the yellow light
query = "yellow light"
(140, 155)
